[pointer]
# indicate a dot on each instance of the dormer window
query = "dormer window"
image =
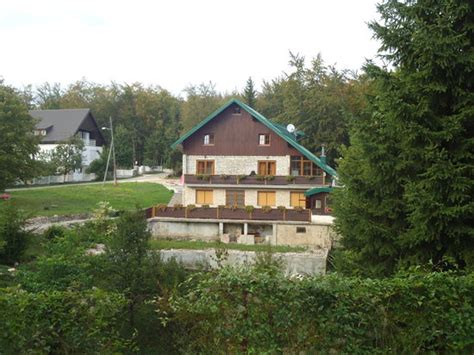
(40, 132)
(237, 110)
(209, 139)
(264, 139)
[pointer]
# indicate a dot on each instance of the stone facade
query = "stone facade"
(236, 165)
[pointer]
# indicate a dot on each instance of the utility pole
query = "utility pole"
(111, 151)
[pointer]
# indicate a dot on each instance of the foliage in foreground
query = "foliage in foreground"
(60, 322)
(13, 237)
(248, 311)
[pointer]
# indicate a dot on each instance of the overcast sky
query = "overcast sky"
(177, 43)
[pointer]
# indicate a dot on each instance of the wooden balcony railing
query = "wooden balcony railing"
(273, 214)
(254, 180)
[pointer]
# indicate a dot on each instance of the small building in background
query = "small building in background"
(57, 126)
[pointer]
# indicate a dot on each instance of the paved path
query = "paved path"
(172, 184)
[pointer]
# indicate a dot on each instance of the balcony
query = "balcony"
(259, 214)
(253, 180)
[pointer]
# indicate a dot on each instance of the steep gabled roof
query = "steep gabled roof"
(279, 129)
(62, 124)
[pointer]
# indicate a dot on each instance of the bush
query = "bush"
(233, 311)
(53, 232)
(13, 236)
(54, 322)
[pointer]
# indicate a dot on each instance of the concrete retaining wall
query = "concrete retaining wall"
(294, 263)
(184, 230)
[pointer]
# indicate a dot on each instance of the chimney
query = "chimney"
(323, 154)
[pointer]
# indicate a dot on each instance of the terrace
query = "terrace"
(254, 180)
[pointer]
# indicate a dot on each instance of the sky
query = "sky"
(177, 43)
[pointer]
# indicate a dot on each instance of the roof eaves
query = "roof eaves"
(202, 123)
(317, 190)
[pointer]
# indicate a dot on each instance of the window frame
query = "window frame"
(266, 198)
(300, 162)
(267, 163)
(300, 200)
(235, 198)
(210, 138)
(205, 202)
(266, 135)
(206, 163)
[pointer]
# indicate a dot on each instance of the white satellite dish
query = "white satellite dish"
(290, 128)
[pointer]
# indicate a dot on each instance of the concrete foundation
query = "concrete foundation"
(313, 263)
(245, 231)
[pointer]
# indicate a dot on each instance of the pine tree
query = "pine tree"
(408, 174)
(250, 94)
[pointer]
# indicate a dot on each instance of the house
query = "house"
(57, 126)
(237, 157)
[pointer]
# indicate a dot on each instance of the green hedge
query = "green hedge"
(65, 322)
(250, 311)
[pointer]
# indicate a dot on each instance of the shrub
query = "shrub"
(13, 236)
(54, 322)
(241, 310)
(266, 209)
(53, 232)
(191, 207)
(249, 209)
(290, 178)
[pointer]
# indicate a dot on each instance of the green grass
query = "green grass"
(70, 200)
(195, 245)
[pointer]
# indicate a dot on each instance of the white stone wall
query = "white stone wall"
(237, 164)
(282, 197)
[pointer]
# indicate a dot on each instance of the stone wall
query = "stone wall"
(236, 165)
(184, 230)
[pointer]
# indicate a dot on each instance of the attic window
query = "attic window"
(40, 132)
(236, 110)
(264, 139)
(209, 139)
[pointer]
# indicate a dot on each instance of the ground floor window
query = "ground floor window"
(235, 198)
(266, 198)
(297, 199)
(204, 197)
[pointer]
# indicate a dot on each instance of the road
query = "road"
(171, 184)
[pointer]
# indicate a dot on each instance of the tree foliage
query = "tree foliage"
(408, 174)
(13, 236)
(250, 94)
(67, 156)
(18, 145)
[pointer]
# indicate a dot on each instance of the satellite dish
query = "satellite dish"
(290, 128)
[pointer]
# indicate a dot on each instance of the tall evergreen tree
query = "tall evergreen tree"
(408, 176)
(250, 94)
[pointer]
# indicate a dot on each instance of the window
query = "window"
(297, 199)
(300, 229)
(236, 110)
(204, 197)
(235, 198)
(266, 198)
(300, 166)
(317, 204)
(209, 139)
(264, 139)
(205, 167)
(266, 167)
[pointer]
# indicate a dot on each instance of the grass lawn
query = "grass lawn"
(75, 199)
(194, 245)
